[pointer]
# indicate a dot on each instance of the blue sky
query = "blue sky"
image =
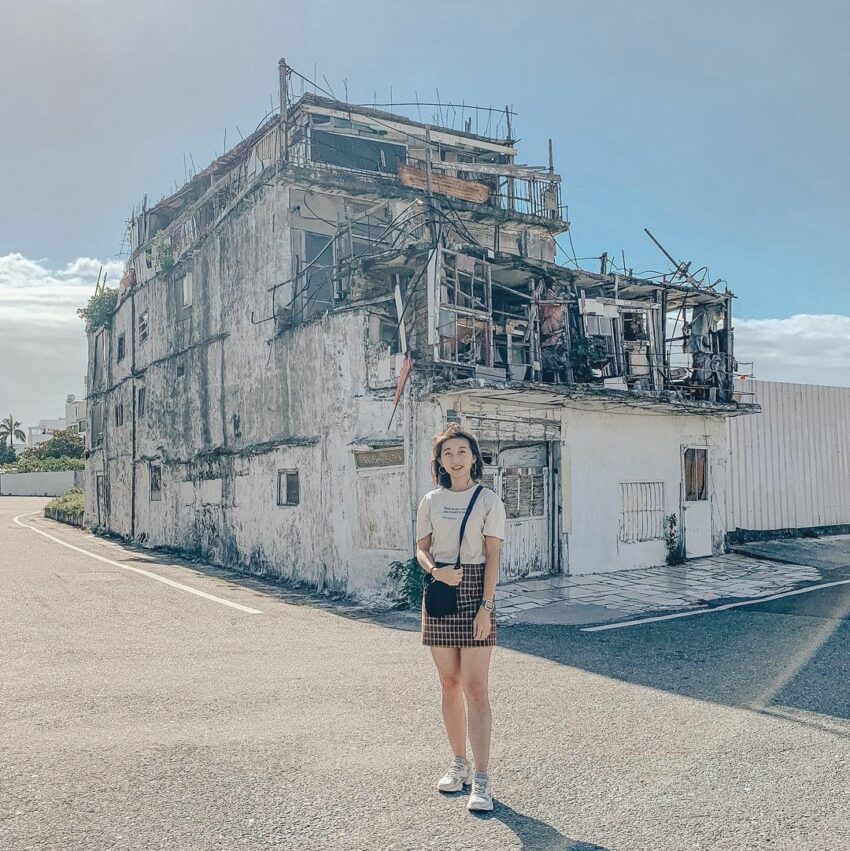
(722, 127)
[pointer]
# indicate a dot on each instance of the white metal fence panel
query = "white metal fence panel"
(790, 465)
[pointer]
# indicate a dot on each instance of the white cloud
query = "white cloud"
(42, 340)
(806, 348)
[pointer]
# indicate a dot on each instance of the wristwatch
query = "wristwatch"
(490, 605)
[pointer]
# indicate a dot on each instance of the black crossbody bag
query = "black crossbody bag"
(441, 599)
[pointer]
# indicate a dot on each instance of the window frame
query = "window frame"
(186, 291)
(155, 495)
(143, 326)
(690, 470)
(121, 349)
(283, 493)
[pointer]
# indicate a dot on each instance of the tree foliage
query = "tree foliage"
(65, 443)
(10, 431)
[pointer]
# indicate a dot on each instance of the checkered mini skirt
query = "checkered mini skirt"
(456, 630)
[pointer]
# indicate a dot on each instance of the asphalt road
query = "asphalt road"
(137, 715)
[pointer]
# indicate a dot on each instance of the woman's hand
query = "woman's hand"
(482, 625)
(449, 575)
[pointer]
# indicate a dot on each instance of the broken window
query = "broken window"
(316, 283)
(122, 346)
(696, 479)
(143, 326)
(186, 289)
(524, 491)
(465, 320)
(181, 367)
(355, 152)
(96, 424)
(288, 487)
(140, 402)
(119, 414)
(634, 326)
(156, 481)
(641, 511)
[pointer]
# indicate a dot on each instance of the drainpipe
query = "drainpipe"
(133, 405)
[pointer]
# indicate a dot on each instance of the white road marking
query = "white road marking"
(139, 570)
(722, 608)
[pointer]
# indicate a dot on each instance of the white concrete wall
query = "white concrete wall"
(603, 449)
(790, 465)
(40, 484)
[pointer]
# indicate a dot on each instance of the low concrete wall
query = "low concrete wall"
(64, 516)
(40, 484)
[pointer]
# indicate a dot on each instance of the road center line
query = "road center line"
(139, 570)
(722, 608)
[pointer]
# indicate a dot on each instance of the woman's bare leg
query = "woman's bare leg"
(447, 660)
(475, 667)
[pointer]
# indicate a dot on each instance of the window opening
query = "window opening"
(288, 487)
(156, 481)
(696, 479)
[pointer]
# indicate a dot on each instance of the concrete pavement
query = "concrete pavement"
(138, 715)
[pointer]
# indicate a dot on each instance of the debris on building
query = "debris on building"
(300, 317)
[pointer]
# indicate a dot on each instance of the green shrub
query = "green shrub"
(675, 555)
(27, 463)
(407, 577)
(72, 502)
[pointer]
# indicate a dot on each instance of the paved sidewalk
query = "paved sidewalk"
(601, 597)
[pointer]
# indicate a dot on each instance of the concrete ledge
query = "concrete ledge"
(64, 517)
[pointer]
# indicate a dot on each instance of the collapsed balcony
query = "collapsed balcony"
(503, 319)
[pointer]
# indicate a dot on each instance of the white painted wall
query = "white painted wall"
(40, 484)
(790, 465)
(603, 449)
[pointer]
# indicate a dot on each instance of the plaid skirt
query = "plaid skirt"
(456, 630)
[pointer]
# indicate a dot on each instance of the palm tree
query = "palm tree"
(10, 430)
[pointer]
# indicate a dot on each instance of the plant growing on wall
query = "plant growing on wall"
(98, 312)
(407, 577)
(587, 354)
(161, 244)
(675, 555)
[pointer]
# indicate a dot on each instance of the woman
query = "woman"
(462, 643)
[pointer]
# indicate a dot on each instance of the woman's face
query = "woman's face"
(457, 458)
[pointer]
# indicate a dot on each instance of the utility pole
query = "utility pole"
(283, 73)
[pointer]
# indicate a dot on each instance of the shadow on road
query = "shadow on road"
(789, 653)
(536, 834)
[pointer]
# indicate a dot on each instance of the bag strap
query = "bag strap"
(465, 518)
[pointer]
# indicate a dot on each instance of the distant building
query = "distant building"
(75, 413)
(42, 432)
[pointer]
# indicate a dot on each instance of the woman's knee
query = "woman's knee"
(476, 691)
(450, 681)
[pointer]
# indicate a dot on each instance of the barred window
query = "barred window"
(641, 511)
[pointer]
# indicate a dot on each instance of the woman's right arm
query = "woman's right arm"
(426, 561)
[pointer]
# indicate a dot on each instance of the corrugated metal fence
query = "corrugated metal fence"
(790, 465)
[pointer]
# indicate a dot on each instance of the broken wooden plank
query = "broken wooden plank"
(467, 190)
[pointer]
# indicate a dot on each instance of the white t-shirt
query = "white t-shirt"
(441, 513)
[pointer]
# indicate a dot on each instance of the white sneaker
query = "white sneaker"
(458, 775)
(482, 794)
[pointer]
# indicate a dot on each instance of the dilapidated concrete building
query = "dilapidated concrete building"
(299, 319)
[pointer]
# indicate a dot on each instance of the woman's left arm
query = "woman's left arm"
(492, 551)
